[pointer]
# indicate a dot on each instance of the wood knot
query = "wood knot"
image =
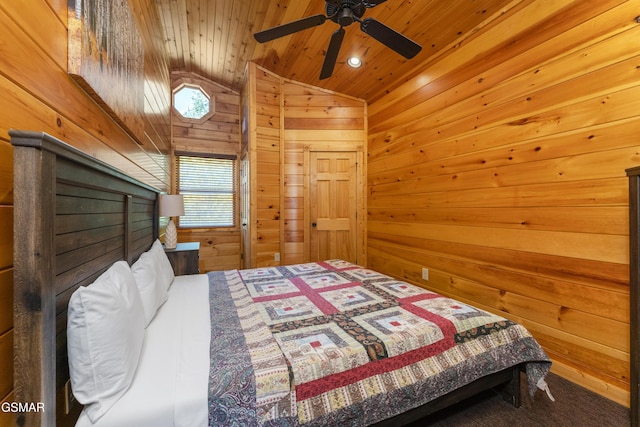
(32, 301)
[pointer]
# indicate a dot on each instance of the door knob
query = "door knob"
(313, 224)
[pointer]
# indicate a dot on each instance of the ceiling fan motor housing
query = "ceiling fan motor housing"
(344, 12)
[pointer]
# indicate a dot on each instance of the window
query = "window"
(208, 186)
(191, 102)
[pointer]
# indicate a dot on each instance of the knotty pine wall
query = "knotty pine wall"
(261, 146)
(219, 134)
(37, 94)
(500, 167)
(287, 119)
(316, 119)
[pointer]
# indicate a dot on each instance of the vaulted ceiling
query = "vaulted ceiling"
(214, 38)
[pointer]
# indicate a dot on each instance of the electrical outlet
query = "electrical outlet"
(276, 257)
(425, 274)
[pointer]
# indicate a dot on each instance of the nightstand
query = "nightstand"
(184, 258)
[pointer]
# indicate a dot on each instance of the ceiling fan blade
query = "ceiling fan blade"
(290, 28)
(372, 3)
(332, 53)
(391, 38)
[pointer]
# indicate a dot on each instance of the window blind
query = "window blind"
(208, 186)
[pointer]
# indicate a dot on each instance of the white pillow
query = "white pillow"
(164, 269)
(153, 291)
(105, 330)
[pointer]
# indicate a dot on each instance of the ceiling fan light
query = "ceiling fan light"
(354, 62)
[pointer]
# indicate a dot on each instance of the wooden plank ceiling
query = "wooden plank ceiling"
(214, 38)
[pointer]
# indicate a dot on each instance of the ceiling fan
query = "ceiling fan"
(344, 13)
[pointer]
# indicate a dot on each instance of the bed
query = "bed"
(322, 343)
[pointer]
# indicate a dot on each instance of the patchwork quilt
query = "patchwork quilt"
(332, 343)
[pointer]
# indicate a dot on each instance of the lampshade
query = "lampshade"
(171, 205)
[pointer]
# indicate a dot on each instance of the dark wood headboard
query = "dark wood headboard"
(74, 216)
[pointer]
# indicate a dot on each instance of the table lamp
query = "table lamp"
(171, 205)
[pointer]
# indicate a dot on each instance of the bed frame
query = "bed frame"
(74, 216)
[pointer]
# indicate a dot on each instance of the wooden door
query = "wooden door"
(245, 212)
(333, 205)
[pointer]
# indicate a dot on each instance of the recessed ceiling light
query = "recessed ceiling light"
(354, 62)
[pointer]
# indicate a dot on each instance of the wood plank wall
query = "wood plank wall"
(37, 94)
(500, 167)
(265, 164)
(286, 120)
(318, 120)
(219, 134)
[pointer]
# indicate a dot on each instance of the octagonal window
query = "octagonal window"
(191, 102)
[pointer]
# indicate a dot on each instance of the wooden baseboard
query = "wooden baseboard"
(596, 385)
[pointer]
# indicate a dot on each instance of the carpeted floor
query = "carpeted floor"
(574, 406)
